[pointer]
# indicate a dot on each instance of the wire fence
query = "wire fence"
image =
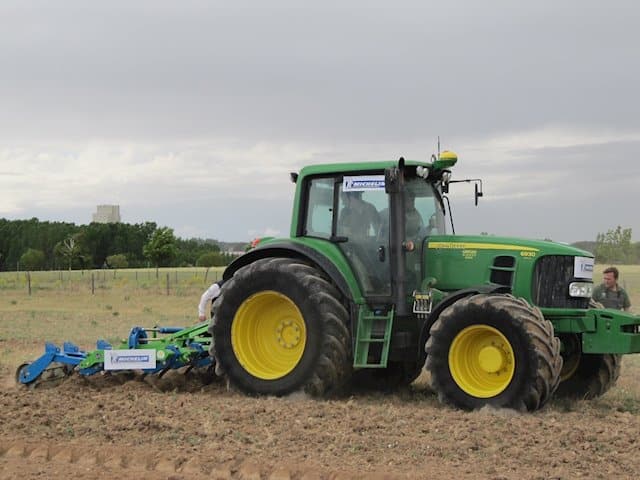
(167, 279)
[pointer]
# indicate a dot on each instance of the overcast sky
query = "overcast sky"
(191, 114)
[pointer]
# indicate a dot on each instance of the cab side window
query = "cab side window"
(319, 214)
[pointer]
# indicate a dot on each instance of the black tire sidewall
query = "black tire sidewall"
(524, 354)
(245, 283)
(593, 376)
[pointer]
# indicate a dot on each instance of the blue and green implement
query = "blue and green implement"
(153, 350)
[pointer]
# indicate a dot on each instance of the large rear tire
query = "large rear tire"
(279, 326)
(493, 350)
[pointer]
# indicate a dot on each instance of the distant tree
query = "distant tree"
(190, 250)
(161, 249)
(43, 236)
(614, 246)
(66, 245)
(119, 260)
(32, 259)
(588, 245)
(72, 251)
(210, 259)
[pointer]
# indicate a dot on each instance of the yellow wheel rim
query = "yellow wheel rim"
(569, 366)
(571, 351)
(481, 361)
(268, 335)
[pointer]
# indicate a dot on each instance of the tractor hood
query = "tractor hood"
(502, 244)
(461, 261)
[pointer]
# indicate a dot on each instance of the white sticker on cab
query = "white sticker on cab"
(363, 183)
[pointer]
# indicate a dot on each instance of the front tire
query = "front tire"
(279, 326)
(493, 350)
(591, 376)
(586, 376)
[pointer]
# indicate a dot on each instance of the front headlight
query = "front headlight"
(581, 289)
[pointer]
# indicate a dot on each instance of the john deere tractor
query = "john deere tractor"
(370, 288)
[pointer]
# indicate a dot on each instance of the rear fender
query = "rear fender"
(299, 251)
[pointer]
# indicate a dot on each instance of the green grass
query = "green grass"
(101, 279)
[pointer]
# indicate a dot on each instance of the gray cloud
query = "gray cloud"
(119, 101)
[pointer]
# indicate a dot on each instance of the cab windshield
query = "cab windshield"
(424, 213)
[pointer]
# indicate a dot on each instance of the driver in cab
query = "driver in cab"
(358, 218)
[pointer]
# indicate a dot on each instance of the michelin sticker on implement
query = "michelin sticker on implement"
(129, 359)
(363, 183)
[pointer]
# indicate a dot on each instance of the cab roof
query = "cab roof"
(325, 168)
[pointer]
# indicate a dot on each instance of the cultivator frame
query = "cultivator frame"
(154, 350)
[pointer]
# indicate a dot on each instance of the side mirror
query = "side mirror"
(478, 193)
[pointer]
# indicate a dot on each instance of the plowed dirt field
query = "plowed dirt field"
(129, 427)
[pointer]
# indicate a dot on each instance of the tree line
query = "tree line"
(613, 247)
(35, 245)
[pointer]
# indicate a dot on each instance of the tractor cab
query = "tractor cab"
(376, 217)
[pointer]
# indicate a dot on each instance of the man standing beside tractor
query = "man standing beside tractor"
(609, 293)
(209, 294)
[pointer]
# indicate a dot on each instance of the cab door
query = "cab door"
(353, 211)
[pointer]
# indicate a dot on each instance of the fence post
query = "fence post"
(176, 277)
(167, 283)
(29, 282)
(93, 283)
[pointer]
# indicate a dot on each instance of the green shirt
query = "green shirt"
(617, 299)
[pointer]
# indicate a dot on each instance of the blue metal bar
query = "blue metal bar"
(169, 329)
(70, 355)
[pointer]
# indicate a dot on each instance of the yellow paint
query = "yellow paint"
(479, 246)
(481, 361)
(268, 335)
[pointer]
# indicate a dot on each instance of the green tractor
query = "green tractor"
(369, 288)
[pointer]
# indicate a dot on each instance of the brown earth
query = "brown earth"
(126, 427)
